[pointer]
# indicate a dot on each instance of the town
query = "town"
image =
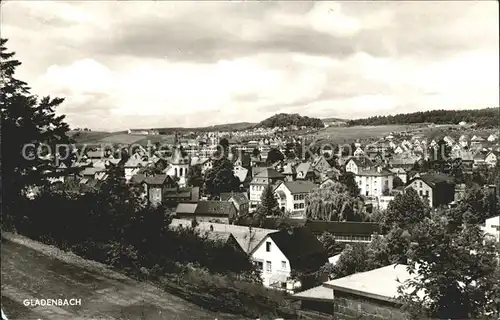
(250, 160)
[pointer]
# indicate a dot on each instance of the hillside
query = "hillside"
(286, 120)
(484, 118)
(219, 127)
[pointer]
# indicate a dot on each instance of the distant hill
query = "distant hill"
(219, 127)
(484, 118)
(293, 119)
(334, 120)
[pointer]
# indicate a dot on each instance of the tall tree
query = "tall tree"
(220, 178)
(274, 155)
(268, 204)
(195, 177)
(347, 178)
(405, 211)
(28, 122)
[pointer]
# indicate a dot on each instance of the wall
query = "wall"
(275, 256)
(351, 167)
(347, 307)
(422, 188)
(374, 185)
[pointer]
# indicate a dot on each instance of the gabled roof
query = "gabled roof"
(304, 167)
(297, 187)
(157, 179)
(434, 179)
(213, 207)
(269, 173)
(241, 173)
(239, 197)
(361, 161)
(297, 244)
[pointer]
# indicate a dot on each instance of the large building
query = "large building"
(265, 178)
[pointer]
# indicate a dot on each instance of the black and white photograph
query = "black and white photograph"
(250, 160)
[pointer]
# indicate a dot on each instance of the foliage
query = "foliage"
(255, 152)
(488, 117)
(333, 202)
(348, 179)
(26, 119)
(328, 241)
(457, 271)
(220, 178)
(286, 120)
(195, 177)
(405, 211)
(397, 182)
(274, 155)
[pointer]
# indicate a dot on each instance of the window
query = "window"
(420, 193)
(283, 264)
(268, 266)
(420, 184)
(259, 265)
(295, 206)
(268, 246)
(301, 206)
(427, 193)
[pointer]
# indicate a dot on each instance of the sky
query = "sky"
(153, 64)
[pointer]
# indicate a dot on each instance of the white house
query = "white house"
(400, 173)
(492, 137)
(283, 251)
(264, 178)
(374, 182)
(491, 159)
(355, 164)
(492, 227)
(291, 195)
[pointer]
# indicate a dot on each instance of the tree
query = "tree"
(329, 243)
(332, 202)
(255, 152)
(405, 211)
(195, 177)
(457, 271)
(397, 182)
(28, 122)
(274, 155)
(220, 178)
(347, 178)
(224, 143)
(268, 204)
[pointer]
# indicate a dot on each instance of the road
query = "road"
(29, 274)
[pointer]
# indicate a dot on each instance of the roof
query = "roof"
(269, 173)
(380, 284)
(218, 235)
(288, 169)
(241, 173)
(247, 241)
(344, 228)
(138, 178)
(374, 172)
(297, 244)
(186, 208)
(296, 187)
(319, 293)
(239, 197)
(434, 179)
(213, 207)
(157, 179)
(304, 167)
(360, 161)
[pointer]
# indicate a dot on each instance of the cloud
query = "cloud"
(136, 64)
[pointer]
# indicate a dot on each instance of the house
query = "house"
(282, 252)
(463, 141)
(240, 201)
(491, 158)
(344, 231)
(374, 182)
(241, 173)
(207, 210)
(358, 152)
(320, 164)
(371, 295)
(354, 164)
(155, 187)
(479, 159)
(305, 171)
(438, 189)
(264, 178)
(291, 195)
(132, 166)
(492, 137)
(476, 141)
(173, 196)
(398, 150)
(492, 227)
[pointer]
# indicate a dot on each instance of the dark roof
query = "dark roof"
(434, 179)
(361, 161)
(269, 173)
(239, 197)
(157, 179)
(299, 186)
(212, 207)
(343, 228)
(297, 243)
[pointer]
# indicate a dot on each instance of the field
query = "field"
(351, 134)
(117, 138)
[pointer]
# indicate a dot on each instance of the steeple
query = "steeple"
(176, 139)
